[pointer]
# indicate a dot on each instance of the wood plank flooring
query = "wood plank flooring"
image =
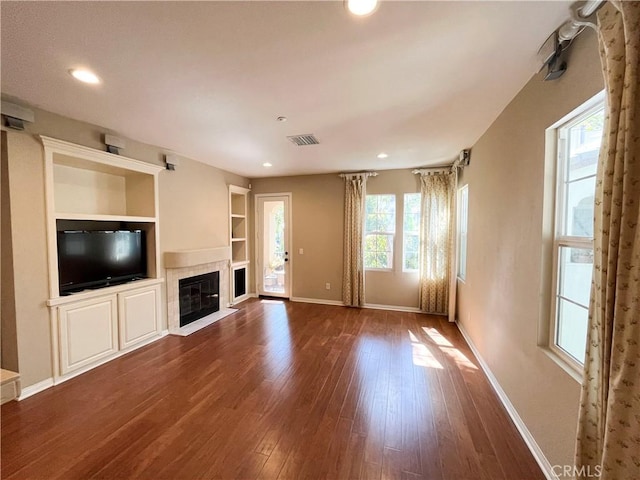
(278, 390)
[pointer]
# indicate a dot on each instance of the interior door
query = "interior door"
(273, 229)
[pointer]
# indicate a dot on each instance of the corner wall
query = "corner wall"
(501, 303)
(9, 346)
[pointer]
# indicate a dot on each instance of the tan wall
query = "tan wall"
(194, 211)
(8, 336)
(317, 206)
(193, 214)
(30, 268)
(500, 304)
(318, 210)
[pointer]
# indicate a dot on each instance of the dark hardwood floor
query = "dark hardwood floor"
(277, 390)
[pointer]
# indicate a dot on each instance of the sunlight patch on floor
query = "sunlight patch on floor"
(276, 302)
(422, 357)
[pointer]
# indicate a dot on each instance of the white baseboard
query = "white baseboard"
(50, 382)
(395, 308)
(535, 449)
(35, 388)
(318, 301)
(375, 306)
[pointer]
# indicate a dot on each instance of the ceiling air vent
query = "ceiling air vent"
(301, 140)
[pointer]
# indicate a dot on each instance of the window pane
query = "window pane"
(411, 203)
(411, 229)
(572, 329)
(411, 261)
(384, 260)
(371, 203)
(576, 266)
(584, 141)
(386, 222)
(580, 201)
(380, 226)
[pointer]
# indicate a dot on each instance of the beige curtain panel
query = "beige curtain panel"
(609, 420)
(353, 274)
(436, 241)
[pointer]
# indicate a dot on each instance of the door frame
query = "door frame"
(258, 244)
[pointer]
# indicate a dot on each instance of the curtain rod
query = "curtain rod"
(424, 171)
(359, 174)
(581, 15)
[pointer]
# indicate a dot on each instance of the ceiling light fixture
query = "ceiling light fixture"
(84, 75)
(281, 119)
(267, 164)
(382, 155)
(361, 7)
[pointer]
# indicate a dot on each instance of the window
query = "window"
(411, 233)
(380, 229)
(578, 146)
(463, 217)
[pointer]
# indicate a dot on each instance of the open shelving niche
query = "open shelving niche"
(238, 239)
(86, 188)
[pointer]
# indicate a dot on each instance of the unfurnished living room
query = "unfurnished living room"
(358, 239)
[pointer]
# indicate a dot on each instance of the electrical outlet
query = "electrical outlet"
(301, 251)
(327, 286)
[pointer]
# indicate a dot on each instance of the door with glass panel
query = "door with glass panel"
(273, 273)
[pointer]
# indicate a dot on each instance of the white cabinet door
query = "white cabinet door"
(88, 332)
(139, 314)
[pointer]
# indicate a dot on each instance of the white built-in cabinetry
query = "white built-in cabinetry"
(238, 238)
(84, 186)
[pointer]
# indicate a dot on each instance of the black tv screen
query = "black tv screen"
(94, 259)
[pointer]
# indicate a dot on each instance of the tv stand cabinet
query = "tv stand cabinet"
(92, 327)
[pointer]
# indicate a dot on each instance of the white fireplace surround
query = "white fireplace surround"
(189, 263)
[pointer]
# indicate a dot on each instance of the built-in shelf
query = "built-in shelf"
(103, 218)
(88, 189)
(238, 232)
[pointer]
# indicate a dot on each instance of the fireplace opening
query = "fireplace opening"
(199, 297)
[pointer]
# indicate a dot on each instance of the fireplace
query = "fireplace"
(199, 296)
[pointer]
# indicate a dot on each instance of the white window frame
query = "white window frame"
(463, 224)
(565, 241)
(391, 234)
(405, 233)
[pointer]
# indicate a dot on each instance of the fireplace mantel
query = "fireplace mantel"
(192, 258)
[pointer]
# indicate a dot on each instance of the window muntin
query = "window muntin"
(380, 229)
(578, 143)
(463, 217)
(411, 233)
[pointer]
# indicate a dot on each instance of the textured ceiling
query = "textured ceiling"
(418, 80)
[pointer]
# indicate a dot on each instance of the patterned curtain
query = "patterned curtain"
(353, 274)
(436, 241)
(609, 420)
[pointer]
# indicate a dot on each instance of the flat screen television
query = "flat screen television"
(95, 259)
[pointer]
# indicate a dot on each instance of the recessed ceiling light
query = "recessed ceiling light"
(84, 75)
(267, 164)
(361, 7)
(281, 119)
(382, 155)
